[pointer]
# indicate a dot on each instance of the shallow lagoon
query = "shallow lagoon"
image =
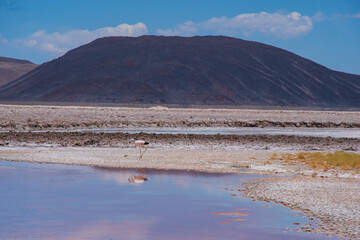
(45, 201)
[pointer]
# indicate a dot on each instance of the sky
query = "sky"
(324, 31)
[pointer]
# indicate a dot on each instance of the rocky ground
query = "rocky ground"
(257, 142)
(70, 117)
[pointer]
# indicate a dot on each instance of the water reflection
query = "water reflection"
(42, 201)
(231, 213)
(235, 219)
(122, 176)
(138, 230)
(138, 178)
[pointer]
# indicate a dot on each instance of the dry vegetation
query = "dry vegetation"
(323, 160)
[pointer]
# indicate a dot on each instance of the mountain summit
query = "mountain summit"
(211, 70)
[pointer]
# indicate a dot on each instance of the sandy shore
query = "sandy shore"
(234, 161)
(333, 197)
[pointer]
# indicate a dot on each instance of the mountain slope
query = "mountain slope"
(11, 68)
(179, 70)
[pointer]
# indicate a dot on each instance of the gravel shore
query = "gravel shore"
(336, 202)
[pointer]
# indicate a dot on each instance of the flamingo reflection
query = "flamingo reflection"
(138, 178)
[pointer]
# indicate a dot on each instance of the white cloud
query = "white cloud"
(357, 15)
(184, 29)
(60, 43)
(319, 16)
(3, 40)
(277, 25)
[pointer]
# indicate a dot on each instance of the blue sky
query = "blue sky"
(325, 31)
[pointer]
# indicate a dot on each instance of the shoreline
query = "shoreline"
(335, 202)
(192, 155)
(204, 160)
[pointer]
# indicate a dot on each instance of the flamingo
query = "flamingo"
(141, 144)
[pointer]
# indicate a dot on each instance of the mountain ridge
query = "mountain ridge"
(200, 70)
(11, 68)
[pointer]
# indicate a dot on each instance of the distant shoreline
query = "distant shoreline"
(180, 106)
(27, 117)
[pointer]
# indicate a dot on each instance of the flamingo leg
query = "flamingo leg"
(142, 153)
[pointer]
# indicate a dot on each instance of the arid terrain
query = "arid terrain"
(97, 136)
(17, 117)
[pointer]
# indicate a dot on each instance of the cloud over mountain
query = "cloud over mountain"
(276, 25)
(62, 42)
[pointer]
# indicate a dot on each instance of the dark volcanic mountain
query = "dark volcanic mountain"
(11, 68)
(185, 70)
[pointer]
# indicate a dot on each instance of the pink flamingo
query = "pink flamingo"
(141, 144)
